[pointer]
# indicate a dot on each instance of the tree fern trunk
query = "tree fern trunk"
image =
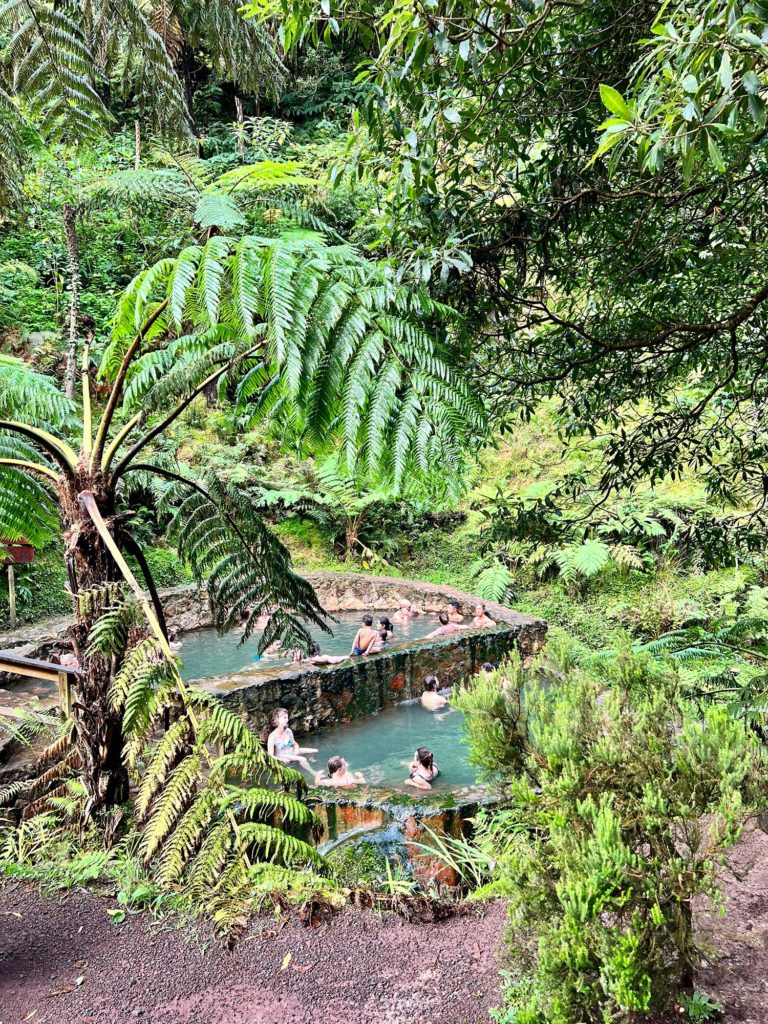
(99, 727)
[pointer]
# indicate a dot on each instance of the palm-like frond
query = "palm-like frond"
(196, 826)
(346, 352)
(244, 566)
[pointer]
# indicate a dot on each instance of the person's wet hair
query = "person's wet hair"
(454, 604)
(432, 684)
(278, 711)
(384, 621)
(444, 619)
(425, 757)
(487, 667)
(334, 763)
(367, 620)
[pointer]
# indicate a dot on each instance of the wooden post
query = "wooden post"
(65, 694)
(12, 596)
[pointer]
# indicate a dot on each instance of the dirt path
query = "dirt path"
(63, 962)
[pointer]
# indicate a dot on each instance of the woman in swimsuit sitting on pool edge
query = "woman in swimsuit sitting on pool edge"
(424, 771)
(282, 746)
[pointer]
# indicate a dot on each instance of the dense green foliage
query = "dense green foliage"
(620, 804)
(465, 291)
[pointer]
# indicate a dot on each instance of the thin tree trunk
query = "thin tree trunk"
(189, 84)
(73, 255)
(241, 129)
(137, 144)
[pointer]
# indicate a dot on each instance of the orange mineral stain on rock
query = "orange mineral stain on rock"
(397, 682)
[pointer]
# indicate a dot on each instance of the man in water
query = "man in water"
(405, 611)
(365, 637)
(431, 699)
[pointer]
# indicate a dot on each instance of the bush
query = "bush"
(166, 568)
(621, 806)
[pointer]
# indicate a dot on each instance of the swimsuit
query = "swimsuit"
(284, 744)
(433, 776)
(356, 650)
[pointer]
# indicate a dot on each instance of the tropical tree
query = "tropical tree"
(57, 62)
(291, 323)
(590, 183)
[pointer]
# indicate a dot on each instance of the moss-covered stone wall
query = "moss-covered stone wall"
(316, 697)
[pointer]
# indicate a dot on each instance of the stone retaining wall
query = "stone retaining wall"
(316, 697)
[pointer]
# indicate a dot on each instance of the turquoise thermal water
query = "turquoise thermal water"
(205, 653)
(382, 746)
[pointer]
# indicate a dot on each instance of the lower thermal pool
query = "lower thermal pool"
(382, 746)
(205, 653)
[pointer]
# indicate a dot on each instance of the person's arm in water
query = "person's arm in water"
(373, 647)
(418, 782)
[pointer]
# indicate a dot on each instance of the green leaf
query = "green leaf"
(452, 115)
(726, 72)
(715, 155)
(751, 83)
(614, 102)
(690, 83)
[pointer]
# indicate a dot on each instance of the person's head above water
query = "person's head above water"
(432, 684)
(404, 604)
(280, 717)
(385, 623)
(444, 618)
(480, 611)
(367, 620)
(454, 604)
(336, 764)
(425, 758)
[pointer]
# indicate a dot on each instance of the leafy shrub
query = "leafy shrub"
(621, 806)
(166, 567)
(40, 589)
(700, 1007)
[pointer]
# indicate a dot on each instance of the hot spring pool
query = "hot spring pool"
(381, 746)
(205, 653)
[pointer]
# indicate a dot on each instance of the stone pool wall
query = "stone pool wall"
(316, 697)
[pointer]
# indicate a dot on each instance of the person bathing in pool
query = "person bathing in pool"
(424, 771)
(454, 611)
(366, 638)
(482, 618)
(431, 699)
(405, 611)
(314, 657)
(386, 629)
(282, 746)
(339, 774)
(446, 627)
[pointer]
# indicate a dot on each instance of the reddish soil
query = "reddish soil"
(737, 974)
(63, 962)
